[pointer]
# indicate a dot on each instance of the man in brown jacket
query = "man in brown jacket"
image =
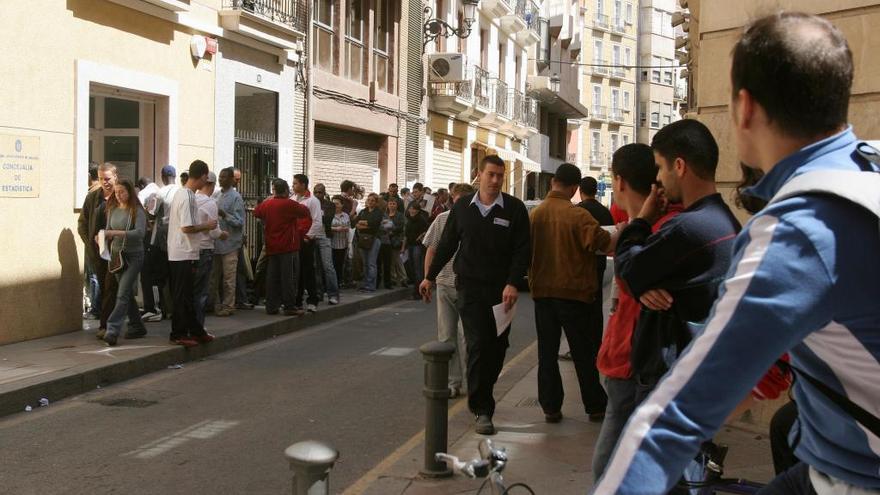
(563, 282)
(91, 220)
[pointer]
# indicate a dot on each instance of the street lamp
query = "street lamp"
(554, 82)
(435, 27)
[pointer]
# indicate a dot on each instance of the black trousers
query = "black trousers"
(154, 274)
(183, 320)
(552, 316)
(306, 274)
(384, 266)
(780, 426)
(485, 348)
(281, 273)
(339, 256)
(109, 285)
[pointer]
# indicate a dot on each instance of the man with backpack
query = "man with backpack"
(804, 279)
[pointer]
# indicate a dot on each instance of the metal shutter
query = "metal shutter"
(447, 160)
(342, 154)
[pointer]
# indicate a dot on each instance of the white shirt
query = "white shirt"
(316, 231)
(163, 197)
(207, 211)
(147, 196)
(484, 210)
(183, 213)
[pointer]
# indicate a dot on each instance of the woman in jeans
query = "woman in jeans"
(126, 225)
(391, 238)
(339, 227)
(368, 223)
(416, 226)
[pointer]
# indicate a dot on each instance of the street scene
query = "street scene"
(440, 247)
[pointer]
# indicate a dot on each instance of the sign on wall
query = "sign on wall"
(19, 166)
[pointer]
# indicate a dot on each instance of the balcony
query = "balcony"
(602, 22)
(598, 160)
(482, 92)
(619, 26)
(571, 158)
(617, 72)
(679, 93)
(279, 23)
(599, 68)
(617, 115)
(496, 8)
(500, 114)
(515, 22)
(515, 100)
(530, 113)
(451, 98)
(599, 113)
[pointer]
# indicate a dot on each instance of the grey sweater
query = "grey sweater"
(134, 234)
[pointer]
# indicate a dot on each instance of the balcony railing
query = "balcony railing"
(502, 98)
(517, 100)
(618, 72)
(481, 87)
(533, 12)
(289, 12)
(597, 159)
(458, 89)
(601, 21)
(617, 115)
(619, 26)
(530, 112)
(571, 158)
(599, 112)
(600, 67)
(679, 93)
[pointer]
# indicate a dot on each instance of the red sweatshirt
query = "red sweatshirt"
(284, 220)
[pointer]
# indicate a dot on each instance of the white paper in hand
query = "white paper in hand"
(503, 318)
(102, 245)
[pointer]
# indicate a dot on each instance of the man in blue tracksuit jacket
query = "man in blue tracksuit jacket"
(804, 279)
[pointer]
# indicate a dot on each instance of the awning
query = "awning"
(511, 156)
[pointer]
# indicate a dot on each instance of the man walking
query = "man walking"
(804, 279)
(184, 250)
(563, 283)
(230, 210)
(309, 243)
(449, 327)
(490, 232)
(324, 246)
(281, 216)
(92, 218)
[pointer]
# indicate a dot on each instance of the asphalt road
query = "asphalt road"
(221, 425)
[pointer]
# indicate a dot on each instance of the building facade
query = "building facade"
(365, 92)
(609, 88)
(477, 101)
(661, 89)
(140, 84)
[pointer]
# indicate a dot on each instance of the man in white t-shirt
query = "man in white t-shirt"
(155, 271)
(207, 212)
(309, 245)
(183, 257)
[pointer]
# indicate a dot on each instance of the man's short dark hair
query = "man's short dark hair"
(280, 187)
(143, 182)
(799, 68)
(347, 186)
(302, 179)
(691, 141)
(567, 175)
(634, 163)
(491, 160)
(198, 169)
(392, 185)
(404, 190)
(228, 171)
(93, 171)
(589, 186)
(418, 186)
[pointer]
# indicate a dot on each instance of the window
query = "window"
(615, 99)
(322, 34)
(627, 55)
(618, 13)
(600, 8)
(656, 62)
(667, 71)
(354, 41)
(655, 115)
(629, 13)
(597, 51)
(656, 21)
(596, 143)
(615, 55)
(615, 142)
(597, 96)
(667, 114)
(381, 49)
(626, 101)
(625, 139)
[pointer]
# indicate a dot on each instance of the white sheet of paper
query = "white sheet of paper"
(609, 228)
(429, 203)
(503, 319)
(102, 244)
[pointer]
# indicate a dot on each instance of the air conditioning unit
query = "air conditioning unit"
(447, 67)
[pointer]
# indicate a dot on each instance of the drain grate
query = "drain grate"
(528, 402)
(125, 402)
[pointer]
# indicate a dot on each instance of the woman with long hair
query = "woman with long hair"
(391, 238)
(126, 226)
(368, 222)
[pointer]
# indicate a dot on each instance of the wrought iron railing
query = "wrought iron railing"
(619, 26)
(517, 100)
(502, 100)
(458, 89)
(601, 21)
(290, 12)
(597, 159)
(481, 88)
(533, 12)
(617, 115)
(600, 112)
(600, 67)
(530, 112)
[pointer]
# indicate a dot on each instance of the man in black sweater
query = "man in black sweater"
(675, 273)
(490, 232)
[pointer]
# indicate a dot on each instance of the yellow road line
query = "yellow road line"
(372, 475)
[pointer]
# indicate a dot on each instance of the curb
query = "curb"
(66, 384)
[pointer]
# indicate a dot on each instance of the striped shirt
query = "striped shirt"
(340, 238)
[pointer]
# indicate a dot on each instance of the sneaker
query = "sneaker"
(101, 333)
(333, 300)
(311, 308)
(565, 357)
(484, 425)
(205, 338)
(184, 341)
(553, 417)
(294, 312)
(151, 317)
(137, 333)
(223, 312)
(596, 417)
(110, 339)
(246, 306)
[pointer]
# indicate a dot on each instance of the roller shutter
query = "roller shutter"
(341, 154)
(447, 160)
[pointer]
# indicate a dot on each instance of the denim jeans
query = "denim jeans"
(125, 303)
(94, 288)
(325, 255)
(449, 330)
(370, 269)
(621, 404)
(241, 279)
(417, 263)
(202, 282)
(795, 481)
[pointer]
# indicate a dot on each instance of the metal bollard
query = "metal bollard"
(311, 462)
(437, 355)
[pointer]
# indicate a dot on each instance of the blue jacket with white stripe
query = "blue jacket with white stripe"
(804, 279)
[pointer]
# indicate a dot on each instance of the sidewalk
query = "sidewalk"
(551, 458)
(69, 364)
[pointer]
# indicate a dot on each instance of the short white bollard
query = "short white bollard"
(311, 462)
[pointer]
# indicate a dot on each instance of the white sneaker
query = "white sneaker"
(334, 300)
(311, 308)
(150, 317)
